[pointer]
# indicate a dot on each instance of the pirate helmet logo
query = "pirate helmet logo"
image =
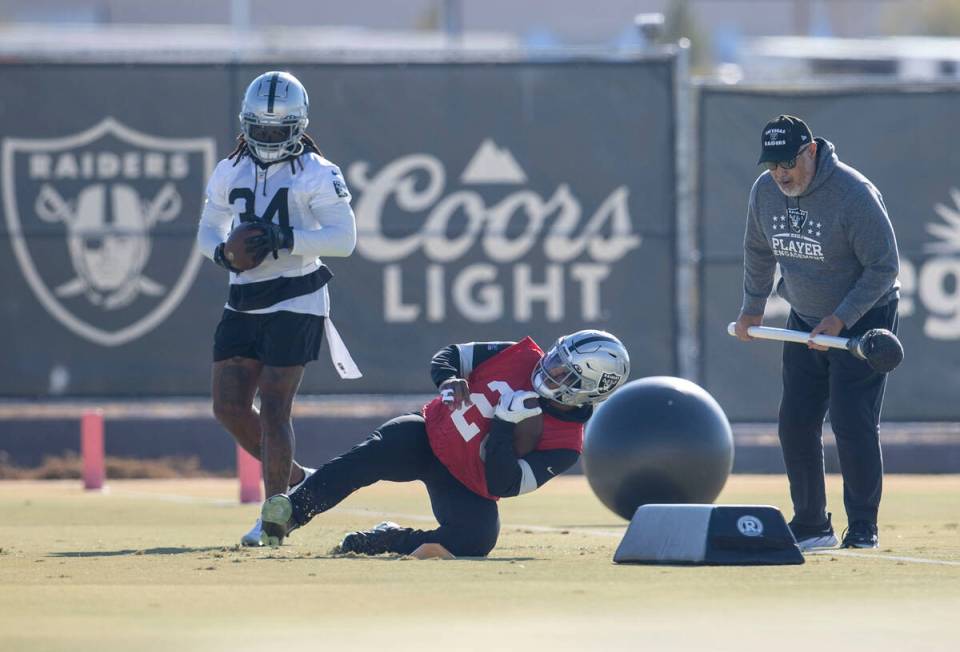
(109, 256)
(797, 219)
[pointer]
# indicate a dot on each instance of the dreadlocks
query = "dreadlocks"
(242, 149)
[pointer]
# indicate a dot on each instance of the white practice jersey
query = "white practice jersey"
(313, 200)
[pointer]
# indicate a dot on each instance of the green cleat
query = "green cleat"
(277, 518)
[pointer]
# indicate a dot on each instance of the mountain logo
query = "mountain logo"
(492, 164)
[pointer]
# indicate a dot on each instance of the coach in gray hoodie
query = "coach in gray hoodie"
(825, 224)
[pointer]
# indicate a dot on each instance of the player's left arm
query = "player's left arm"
(330, 205)
(872, 239)
(508, 475)
(451, 365)
(458, 360)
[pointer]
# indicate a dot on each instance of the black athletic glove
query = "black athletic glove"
(221, 260)
(273, 238)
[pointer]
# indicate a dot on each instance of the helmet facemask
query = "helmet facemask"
(582, 368)
(555, 379)
(272, 142)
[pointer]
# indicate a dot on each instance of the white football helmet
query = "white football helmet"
(581, 368)
(273, 116)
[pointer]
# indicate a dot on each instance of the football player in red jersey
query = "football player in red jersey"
(461, 444)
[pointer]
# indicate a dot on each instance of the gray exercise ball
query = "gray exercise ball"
(657, 440)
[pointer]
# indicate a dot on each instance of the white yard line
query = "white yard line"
(177, 498)
(870, 555)
(169, 498)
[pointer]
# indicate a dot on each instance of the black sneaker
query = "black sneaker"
(861, 534)
(813, 537)
(382, 538)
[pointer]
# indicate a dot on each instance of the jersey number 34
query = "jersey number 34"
(277, 206)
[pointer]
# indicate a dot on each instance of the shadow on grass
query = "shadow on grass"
(128, 552)
(356, 557)
(133, 552)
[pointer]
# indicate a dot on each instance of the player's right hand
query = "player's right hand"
(455, 393)
(271, 240)
(743, 323)
(513, 407)
(221, 260)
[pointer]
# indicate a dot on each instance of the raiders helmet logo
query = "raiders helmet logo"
(797, 219)
(607, 383)
(84, 212)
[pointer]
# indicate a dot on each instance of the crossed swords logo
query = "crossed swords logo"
(109, 257)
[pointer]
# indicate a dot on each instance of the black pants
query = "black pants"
(813, 382)
(399, 451)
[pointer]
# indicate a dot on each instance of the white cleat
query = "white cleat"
(252, 538)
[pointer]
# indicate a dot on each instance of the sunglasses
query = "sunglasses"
(786, 165)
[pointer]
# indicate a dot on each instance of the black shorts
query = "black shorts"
(278, 339)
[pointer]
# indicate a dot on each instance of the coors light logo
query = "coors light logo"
(494, 248)
(930, 284)
(87, 214)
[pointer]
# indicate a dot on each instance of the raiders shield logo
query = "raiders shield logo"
(87, 215)
(607, 383)
(797, 219)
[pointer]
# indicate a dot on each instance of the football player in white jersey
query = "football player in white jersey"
(277, 312)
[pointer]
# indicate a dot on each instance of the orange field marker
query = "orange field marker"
(92, 449)
(248, 472)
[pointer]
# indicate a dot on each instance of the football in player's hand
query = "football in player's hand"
(235, 248)
(527, 433)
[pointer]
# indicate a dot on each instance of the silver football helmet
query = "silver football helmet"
(273, 116)
(581, 368)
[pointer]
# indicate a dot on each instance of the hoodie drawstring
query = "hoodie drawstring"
(257, 167)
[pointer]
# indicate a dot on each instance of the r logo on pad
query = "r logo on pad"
(750, 526)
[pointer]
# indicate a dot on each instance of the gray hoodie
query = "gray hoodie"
(834, 243)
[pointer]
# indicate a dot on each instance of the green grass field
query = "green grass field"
(152, 565)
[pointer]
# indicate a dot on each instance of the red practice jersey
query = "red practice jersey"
(456, 436)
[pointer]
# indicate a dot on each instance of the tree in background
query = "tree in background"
(430, 19)
(929, 18)
(679, 22)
